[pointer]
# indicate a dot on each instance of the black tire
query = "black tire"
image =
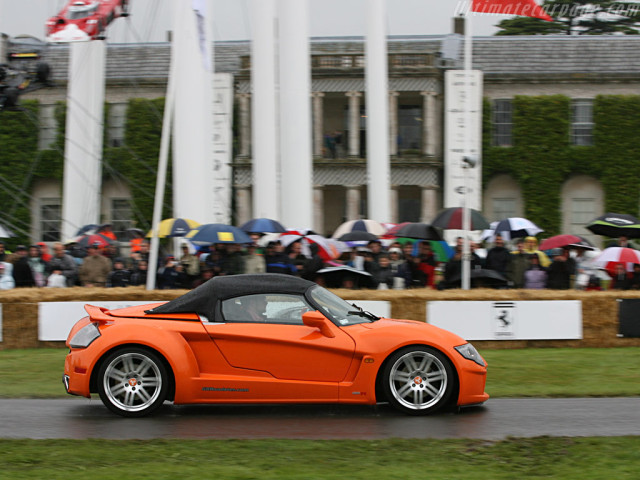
(133, 382)
(418, 380)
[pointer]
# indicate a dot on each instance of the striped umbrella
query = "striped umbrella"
(451, 219)
(365, 225)
(615, 225)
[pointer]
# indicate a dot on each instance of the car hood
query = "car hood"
(387, 333)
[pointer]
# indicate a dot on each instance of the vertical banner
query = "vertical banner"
(222, 122)
(463, 137)
(504, 319)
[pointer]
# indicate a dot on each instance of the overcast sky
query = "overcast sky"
(150, 19)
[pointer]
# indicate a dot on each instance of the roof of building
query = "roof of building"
(500, 56)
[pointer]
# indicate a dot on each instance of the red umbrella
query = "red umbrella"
(613, 255)
(565, 240)
(97, 239)
(392, 232)
(328, 249)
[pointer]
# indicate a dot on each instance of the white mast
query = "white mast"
(377, 105)
(264, 120)
(295, 115)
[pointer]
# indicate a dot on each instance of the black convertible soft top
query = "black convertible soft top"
(202, 300)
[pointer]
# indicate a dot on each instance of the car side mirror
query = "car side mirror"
(318, 320)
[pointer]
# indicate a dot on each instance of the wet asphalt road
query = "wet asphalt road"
(78, 418)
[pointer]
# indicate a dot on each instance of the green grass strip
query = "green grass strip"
(544, 457)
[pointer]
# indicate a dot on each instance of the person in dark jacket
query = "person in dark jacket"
(559, 272)
(119, 276)
(277, 261)
(22, 273)
(498, 258)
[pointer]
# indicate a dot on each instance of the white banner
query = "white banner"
(222, 123)
(55, 319)
(463, 137)
(509, 320)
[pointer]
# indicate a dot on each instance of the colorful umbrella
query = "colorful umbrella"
(262, 225)
(365, 225)
(328, 249)
(615, 225)
(392, 230)
(451, 219)
(212, 233)
(96, 239)
(516, 227)
(419, 231)
(175, 227)
(566, 240)
(441, 249)
(613, 255)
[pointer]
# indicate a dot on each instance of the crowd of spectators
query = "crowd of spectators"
(397, 265)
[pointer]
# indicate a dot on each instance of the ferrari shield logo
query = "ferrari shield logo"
(504, 319)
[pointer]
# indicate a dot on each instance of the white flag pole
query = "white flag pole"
(466, 227)
(163, 161)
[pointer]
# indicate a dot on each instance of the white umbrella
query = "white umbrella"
(514, 227)
(5, 232)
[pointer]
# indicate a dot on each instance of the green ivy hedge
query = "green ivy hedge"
(542, 158)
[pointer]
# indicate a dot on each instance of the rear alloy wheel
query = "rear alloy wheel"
(133, 382)
(418, 380)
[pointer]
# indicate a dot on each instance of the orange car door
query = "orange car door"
(287, 352)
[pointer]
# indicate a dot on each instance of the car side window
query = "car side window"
(265, 308)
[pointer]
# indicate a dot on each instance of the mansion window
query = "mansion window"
(116, 123)
(582, 122)
(502, 119)
(409, 128)
(121, 217)
(50, 219)
(504, 208)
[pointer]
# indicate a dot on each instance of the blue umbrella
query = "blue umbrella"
(263, 225)
(217, 233)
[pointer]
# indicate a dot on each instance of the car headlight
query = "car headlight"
(469, 352)
(84, 336)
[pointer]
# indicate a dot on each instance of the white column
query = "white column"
(429, 119)
(296, 154)
(376, 78)
(429, 205)
(243, 204)
(318, 123)
(264, 131)
(353, 195)
(83, 146)
(318, 209)
(394, 201)
(393, 123)
(244, 106)
(354, 123)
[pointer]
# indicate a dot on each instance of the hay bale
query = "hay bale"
(599, 309)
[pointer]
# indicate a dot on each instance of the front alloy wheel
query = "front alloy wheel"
(132, 382)
(418, 380)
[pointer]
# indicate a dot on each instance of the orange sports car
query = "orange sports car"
(267, 338)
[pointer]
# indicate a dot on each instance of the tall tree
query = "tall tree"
(578, 17)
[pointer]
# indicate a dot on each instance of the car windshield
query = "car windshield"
(338, 310)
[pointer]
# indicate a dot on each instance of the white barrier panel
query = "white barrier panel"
(0, 322)
(55, 319)
(507, 320)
